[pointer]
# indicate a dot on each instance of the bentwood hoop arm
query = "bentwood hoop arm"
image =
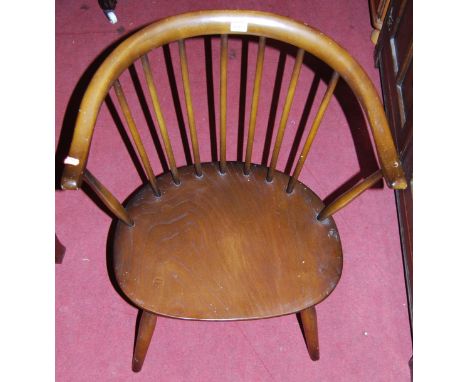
(231, 22)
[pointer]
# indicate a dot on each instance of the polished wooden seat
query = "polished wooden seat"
(226, 246)
(226, 240)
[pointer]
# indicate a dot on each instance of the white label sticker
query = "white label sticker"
(72, 161)
(239, 26)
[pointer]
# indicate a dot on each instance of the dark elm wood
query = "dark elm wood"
(309, 324)
(145, 333)
(226, 247)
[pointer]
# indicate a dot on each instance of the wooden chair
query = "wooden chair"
(226, 240)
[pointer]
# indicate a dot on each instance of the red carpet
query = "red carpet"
(363, 326)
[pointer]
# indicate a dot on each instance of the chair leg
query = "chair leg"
(309, 324)
(145, 332)
(59, 251)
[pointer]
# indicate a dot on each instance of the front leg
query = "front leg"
(309, 323)
(145, 332)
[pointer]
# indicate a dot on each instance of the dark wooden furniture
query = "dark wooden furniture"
(378, 10)
(226, 240)
(394, 57)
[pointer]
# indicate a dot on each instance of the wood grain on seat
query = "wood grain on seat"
(226, 246)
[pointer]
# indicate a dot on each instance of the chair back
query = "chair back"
(263, 26)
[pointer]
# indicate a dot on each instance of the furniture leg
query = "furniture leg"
(59, 251)
(309, 324)
(145, 332)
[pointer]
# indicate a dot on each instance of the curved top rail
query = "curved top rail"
(231, 22)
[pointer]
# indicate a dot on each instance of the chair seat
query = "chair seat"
(226, 246)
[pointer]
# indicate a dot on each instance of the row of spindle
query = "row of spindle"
(112, 203)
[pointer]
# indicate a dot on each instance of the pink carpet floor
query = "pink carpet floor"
(363, 326)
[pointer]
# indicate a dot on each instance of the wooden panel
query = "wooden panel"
(394, 57)
(405, 217)
(406, 95)
(226, 247)
(403, 38)
(389, 90)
